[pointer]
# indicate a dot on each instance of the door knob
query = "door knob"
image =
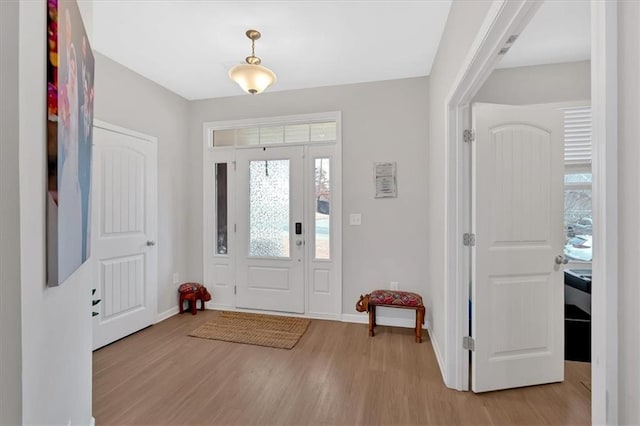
(561, 260)
(298, 243)
(151, 243)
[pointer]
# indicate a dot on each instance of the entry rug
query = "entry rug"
(254, 329)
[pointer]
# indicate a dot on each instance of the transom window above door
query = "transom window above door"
(276, 134)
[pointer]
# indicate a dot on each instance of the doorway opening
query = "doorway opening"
(505, 21)
(272, 214)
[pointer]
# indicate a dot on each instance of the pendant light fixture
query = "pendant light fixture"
(252, 77)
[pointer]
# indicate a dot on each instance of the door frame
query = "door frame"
(504, 18)
(227, 153)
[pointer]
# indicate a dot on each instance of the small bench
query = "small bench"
(392, 299)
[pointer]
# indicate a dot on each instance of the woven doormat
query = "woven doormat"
(254, 329)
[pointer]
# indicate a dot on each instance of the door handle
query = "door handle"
(151, 243)
(561, 260)
(299, 243)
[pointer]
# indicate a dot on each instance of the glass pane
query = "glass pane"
(248, 136)
(271, 135)
(221, 208)
(224, 137)
(578, 224)
(577, 178)
(323, 131)
(323, 208)
(296, 133)
(236, 137)
(269, 208)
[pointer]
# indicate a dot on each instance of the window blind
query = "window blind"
(577, 135)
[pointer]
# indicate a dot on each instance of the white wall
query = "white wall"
(462, 25)
(10, 320)
(383, 121)
(569, 81)
(56, 322)
(129, 100)
(629, 206)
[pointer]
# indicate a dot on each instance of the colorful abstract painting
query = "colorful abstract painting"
(70, 74)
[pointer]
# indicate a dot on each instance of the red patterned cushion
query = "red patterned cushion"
(399, 298)
(189, 288)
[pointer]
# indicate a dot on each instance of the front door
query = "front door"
(517, 283)
(124, 232)
(270, 229)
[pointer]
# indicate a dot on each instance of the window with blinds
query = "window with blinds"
(577, 136)
(274, 135)
(577, 184)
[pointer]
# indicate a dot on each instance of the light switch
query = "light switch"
(355, 219)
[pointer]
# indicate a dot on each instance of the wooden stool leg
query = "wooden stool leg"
(372, 319)
(419, 322)
(193, 305)
(181, 304)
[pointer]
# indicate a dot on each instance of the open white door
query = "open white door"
(124, 232)
(270, 260)
(517, 283)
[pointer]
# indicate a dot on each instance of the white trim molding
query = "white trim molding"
(380, 320)
(331, 306)
(604, 297)
(503, 19)
(167, 314)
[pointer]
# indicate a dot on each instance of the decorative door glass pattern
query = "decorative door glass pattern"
(269, 208)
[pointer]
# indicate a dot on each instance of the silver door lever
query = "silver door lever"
(151, 243)
(561, 260)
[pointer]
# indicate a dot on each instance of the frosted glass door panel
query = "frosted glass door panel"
(269, 206)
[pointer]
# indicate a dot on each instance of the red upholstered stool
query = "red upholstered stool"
(392, 299)
(192, 292)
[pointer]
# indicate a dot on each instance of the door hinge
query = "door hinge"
(234, 166)
(235, 290)
(468, 343)
(469, 239)
(235, 228)
(468, 136)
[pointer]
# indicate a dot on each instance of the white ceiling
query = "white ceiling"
(189, 46)
(559, 32)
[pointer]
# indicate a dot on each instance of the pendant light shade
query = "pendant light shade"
(252, 77)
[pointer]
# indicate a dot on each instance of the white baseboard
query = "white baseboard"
(93, 421)
(167, 314)
(380, 320)
(436, 350)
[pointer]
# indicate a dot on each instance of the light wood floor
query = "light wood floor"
(336, 374)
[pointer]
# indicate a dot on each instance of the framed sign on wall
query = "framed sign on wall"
(385, 180)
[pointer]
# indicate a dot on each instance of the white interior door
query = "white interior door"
(270, 233)
(124, 232)
(517, 286)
